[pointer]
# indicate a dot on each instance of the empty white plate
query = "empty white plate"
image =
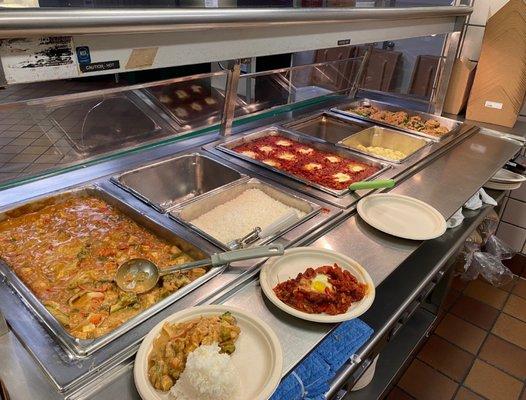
(258, 357)
(297, 260)
(502, 186)
(506, 176)
(402, 216)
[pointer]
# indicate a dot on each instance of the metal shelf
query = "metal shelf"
(396, 355)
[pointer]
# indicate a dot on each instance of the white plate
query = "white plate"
(294, 261)
(506, 176)
(402, 216)
(502, 186)
(258, 357)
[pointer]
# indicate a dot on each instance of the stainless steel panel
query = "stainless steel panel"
(167, 183)
(388, 139)
(228, 147)
(105, 123)
(327, 127)
(192, 210)
(19, 23)
(344, 109)
(81, 347)
(459, 173)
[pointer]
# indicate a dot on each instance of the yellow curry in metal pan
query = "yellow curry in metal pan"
(67, 254)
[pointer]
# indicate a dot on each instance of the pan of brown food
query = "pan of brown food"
(60, 255)
(419, 123)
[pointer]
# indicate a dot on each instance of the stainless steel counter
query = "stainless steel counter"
(446, 182)
(439, 184)
(396, 171)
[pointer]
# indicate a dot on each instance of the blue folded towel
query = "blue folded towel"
(310, 379)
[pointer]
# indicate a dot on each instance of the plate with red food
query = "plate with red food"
(317, 285)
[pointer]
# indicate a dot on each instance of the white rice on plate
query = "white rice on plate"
(208, 375)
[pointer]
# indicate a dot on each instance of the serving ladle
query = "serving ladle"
(139, 275)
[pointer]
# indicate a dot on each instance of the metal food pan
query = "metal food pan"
(387, 138)
(453, 126)
(326, 127)
(169, 182)
(84, 347)
(208, 114)
(106, 123)
(194, 209)
(228, 147)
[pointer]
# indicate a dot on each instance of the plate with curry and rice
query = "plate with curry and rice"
(211, 352)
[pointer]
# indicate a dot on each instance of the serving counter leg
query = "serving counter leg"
(3, 325)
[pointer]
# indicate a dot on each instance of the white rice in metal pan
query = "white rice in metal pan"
(237, 217)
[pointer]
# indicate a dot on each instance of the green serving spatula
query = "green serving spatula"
(374, 184)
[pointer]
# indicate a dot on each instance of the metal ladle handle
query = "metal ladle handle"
(229, 257)
(289, 219)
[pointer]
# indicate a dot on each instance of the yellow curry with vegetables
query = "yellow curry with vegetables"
(170, 349)
(67, 254)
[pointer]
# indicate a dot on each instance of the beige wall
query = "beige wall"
(483, 9)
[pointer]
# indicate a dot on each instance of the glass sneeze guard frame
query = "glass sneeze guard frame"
(266, 31)
(300, 85)
(232, 92)
(54, 139)
(60, 119)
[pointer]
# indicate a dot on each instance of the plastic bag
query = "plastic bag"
(486, 263)
(456, 219)
(478, 199)
(491, 268)
(498, 248)
(474, 203)
(475, 238)
(465, 257)
(468, 272)
(482, 254)
(486, 198)
(488, 226)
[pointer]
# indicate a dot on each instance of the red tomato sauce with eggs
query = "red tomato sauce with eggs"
(298, 292)
(321, 173)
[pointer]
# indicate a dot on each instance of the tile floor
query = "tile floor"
(478, 349)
